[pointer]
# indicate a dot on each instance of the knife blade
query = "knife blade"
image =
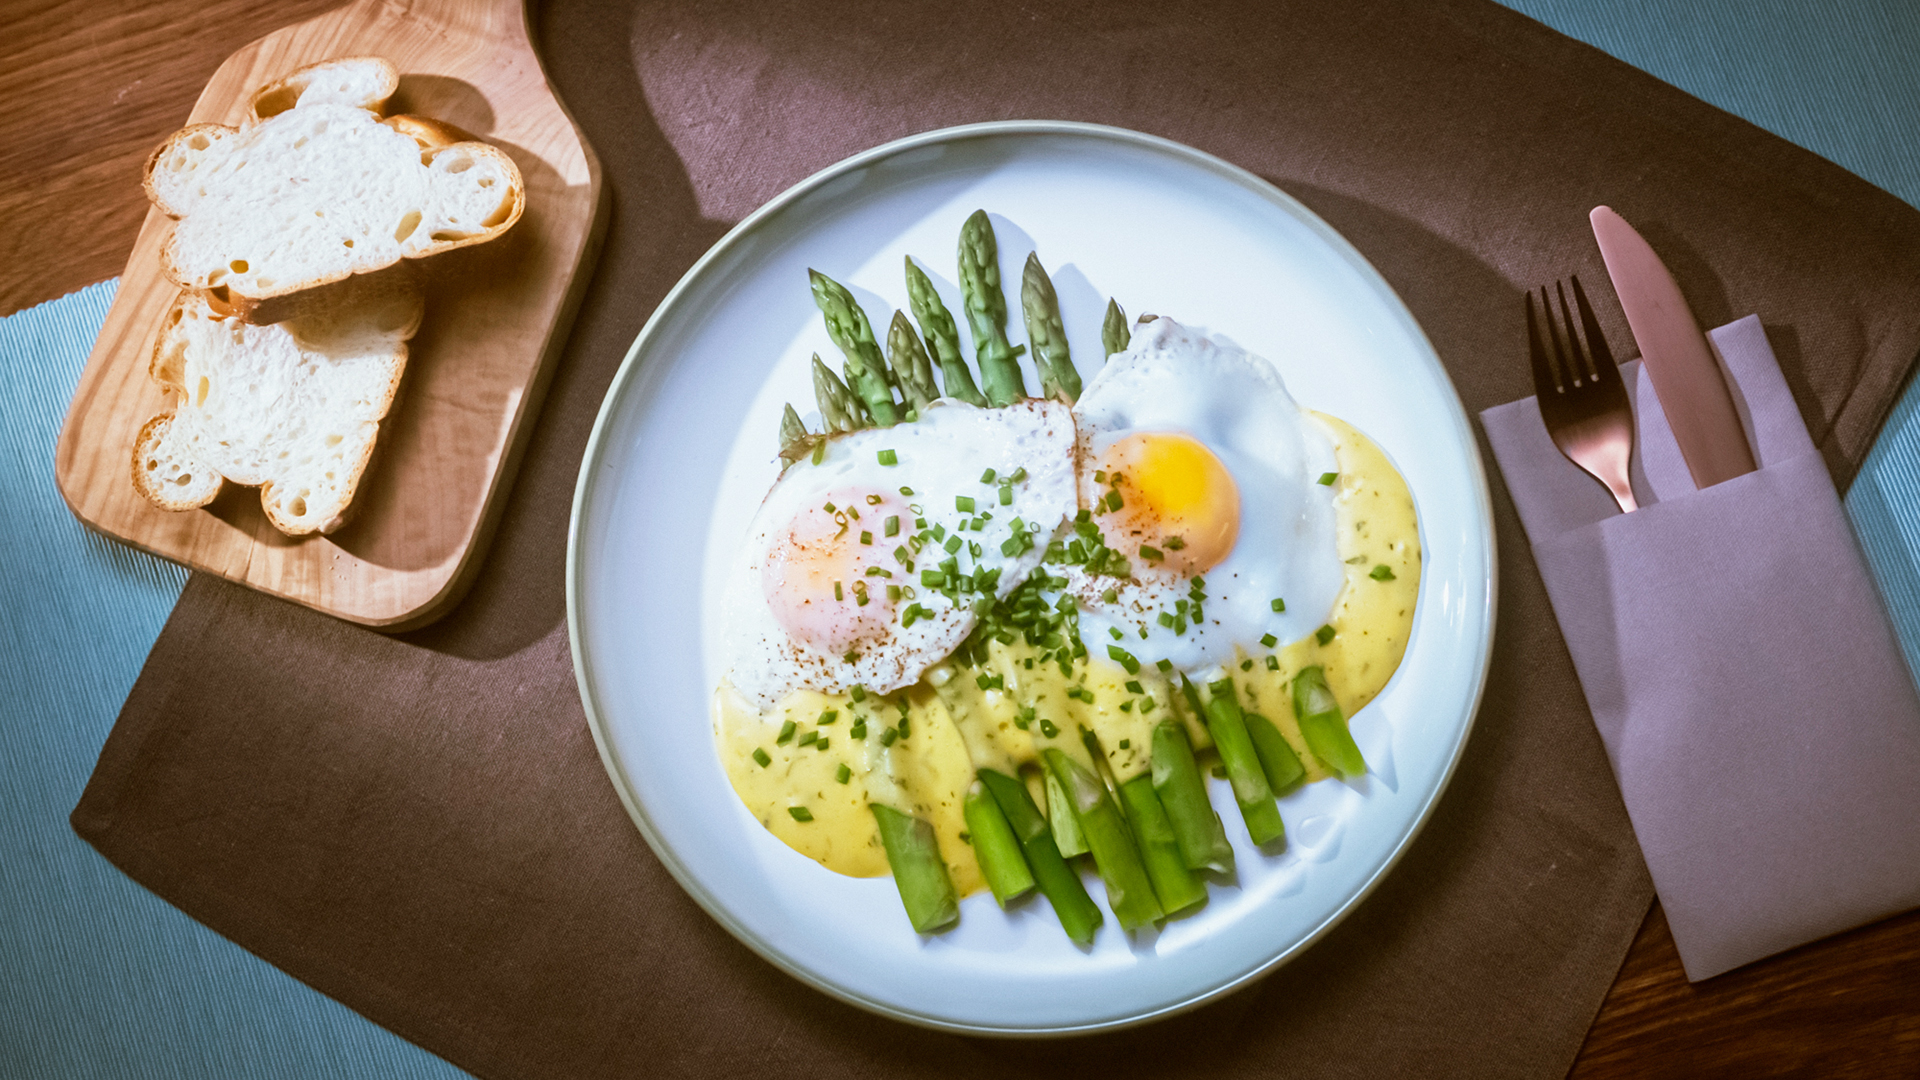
(1686, 376)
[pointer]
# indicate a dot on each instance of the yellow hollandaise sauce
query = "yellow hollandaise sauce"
(809, 768)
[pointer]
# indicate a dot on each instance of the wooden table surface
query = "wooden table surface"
(91, 88)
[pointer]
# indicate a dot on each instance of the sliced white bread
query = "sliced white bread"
(315, 187)
(294, 407)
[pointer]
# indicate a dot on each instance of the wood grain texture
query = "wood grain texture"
(496, 314)
(124, 73)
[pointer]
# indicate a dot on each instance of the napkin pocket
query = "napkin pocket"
(1741, 670)
(1754, 706)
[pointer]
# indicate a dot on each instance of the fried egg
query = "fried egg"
(866, 564)
(1198, 469)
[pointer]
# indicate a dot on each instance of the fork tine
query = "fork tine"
(1578, 358)
(1543, 373)
(1604, 367)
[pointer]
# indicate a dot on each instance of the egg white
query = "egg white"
(940, 456)
(1174, 378)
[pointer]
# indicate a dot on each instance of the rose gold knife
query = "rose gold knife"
(1693, 393)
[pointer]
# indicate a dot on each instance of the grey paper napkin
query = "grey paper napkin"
(1740, 668)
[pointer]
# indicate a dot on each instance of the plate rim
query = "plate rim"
(625, 377)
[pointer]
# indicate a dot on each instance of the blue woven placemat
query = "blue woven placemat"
(98, 977)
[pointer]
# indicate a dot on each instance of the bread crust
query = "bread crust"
(288, 299)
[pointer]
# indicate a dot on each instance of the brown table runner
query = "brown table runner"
(419, 825)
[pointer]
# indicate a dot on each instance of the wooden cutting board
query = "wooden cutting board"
(496, 317)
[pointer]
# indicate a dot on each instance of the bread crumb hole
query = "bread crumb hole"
(299, 142)
(298, 507)
(407, 224)
(333, 440)
(199, 142)
(274, 102)
(486, 181)
(183, 479)
(320, 127)
(460, 165)
(348, 243)
(238, 266)
(152, 464)
(443, 234)
(200, 394)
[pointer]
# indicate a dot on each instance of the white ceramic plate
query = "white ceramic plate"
(683, 451)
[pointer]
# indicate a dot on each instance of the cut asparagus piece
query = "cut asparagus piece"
(1282, 765)
(987, 312)
(918, 871)
(1060, 818)
(838, 407)
(1323, 725)
(1183, 794)
(848, 327)
(1129, 890)
(1249, 779)
(911, 367)
(1079, 916)
(1175, 885)
(996, 848)
(1041, 306)
(1114, 334)
(943, 339)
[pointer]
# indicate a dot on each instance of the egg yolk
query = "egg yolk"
(827, 574)
(1176, 498)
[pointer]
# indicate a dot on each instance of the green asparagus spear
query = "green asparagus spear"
(1060, 818)
(839, 408)
(1041, 306)
(942, 339)
(911, 367)
(1113, 332)
(1250, 788)
(791, 429)
(1323, 725)
(1077, 912)
(848, 327)
(987, 312)
(1281, 764)
(918, 871)
(1129, 890)
(994, 845)
(1183, 794)
(1177, 887)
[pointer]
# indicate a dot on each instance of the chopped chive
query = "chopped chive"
(892, 526)
(887, 737)
(1163, 664)
(828, 716)
(1134, 687)
(1111, 596)
(1383, 572)
(1126, 744)
(1269, 640)
(1125, 706)
(907, 491)
(786, 732)
(1356, 560)
(1124, 658)
(888, 457)
(1114, 502)
(807, 738)
(1327, 478)
(1279, 604)
(953, 544)
(1273, 663)
(1114, 632)
(963, 503)
(1166, 620)
(1019, 474)
(837, 595)
(1006, 495)
(859, 730)
(1174, 543)
(760, 755)
(866, 537)
(1147, 705)
(1099, 476)
(860, 598)
(830, 508)
(932, 579)
(1150, 553)
(1323, 635)
(852, 656)
(873, 500)
(854, 512)
(879, 571)
(842, 774)
(820, 744)
(1048, 728)
(819, 452)
(800, 813)
(858, 693)
(987, 477)
(893, 592)
(1246, 665)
